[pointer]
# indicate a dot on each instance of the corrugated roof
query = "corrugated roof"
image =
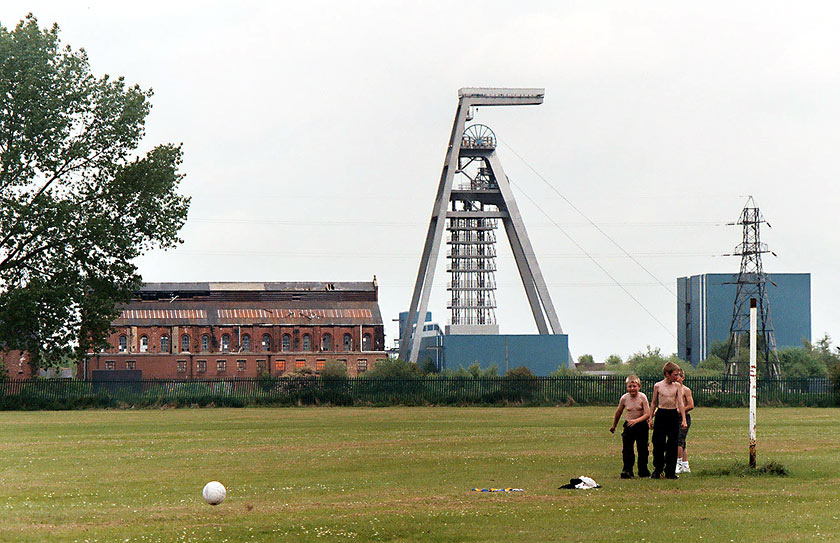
(249, 286)
(205, 312)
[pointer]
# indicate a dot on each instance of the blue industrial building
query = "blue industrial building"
(705, 303)
(431, 344)
(542, 354)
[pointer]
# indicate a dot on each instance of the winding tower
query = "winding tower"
(470, 210)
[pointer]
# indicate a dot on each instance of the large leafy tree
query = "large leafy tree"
(77, 201)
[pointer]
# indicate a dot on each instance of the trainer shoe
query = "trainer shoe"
(675, 476)
(644, 474)
(679, 467)
(685, 468)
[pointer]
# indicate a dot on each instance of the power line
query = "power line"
(361, 255)
(582, 214)
(603, 269)
(304, 223)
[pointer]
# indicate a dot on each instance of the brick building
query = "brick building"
(215, 330)
(16, 364)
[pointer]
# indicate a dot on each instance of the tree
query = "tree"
(713, 365)
(586, 359)
(802, 362)
(334, 370)
(428, 366)
(614, 360)
(77, 203)
(565, 371)
(519, 372)
(394, 368)
(650, 363)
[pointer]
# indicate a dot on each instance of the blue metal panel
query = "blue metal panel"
(711, 298)
(404, 318)
(542, 354)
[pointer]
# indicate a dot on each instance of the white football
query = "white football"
(214, 493)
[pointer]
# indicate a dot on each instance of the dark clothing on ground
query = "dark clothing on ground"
(666, 432)
(684, 431)
(638, 434)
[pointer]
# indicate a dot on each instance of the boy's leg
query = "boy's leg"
(658, 441)
(627, 450)
(642, 446)
(673, 434)
(681, 446)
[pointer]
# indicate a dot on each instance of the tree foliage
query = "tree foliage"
(77, 203)
(519, 372)
(474, 371)
(334, 370)
(565, 371)
(428, 366)
(613, 360)
(394, 368)
(650, 363)
(712, 365)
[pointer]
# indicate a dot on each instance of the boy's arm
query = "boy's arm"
(618, 412)
(688, 399)
(653, 403)
(681, 408)
(645, 410)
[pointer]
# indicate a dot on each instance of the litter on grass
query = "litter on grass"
(581, 483)
(498, 490)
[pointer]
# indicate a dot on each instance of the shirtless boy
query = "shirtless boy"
(666, 422)
(635, 430)
(688, 402)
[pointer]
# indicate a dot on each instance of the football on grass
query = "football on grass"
(214, 493)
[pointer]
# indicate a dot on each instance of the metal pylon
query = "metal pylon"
(752, 284)
(473, 206)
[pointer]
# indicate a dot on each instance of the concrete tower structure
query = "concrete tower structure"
(470, 211)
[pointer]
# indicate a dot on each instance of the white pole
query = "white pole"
(753, 348)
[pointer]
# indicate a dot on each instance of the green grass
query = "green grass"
(404, 474)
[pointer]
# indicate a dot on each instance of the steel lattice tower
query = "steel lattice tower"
(752, 283)
(470, 212)
(472, 241)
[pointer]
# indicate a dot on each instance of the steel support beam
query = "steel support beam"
(532, 279)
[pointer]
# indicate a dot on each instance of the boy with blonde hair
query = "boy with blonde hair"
(635, 430)
(669, 412)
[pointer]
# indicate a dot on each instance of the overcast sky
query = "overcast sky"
(314, 135)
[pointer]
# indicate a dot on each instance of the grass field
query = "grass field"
(403, 474)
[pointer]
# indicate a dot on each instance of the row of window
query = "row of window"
(245, 343)
(241, 365)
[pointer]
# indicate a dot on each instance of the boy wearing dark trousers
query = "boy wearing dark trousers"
(635, 429)
(666, 418)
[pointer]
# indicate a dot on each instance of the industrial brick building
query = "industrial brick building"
(216, 330)
(16, 364)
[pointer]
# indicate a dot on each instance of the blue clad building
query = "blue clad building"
(431, 343)
(541, 354)
(704, 311)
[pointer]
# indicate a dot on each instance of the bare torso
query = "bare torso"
(667, 394)
(634, 407)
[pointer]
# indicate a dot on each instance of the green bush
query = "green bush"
(393, 368)
(520, 372)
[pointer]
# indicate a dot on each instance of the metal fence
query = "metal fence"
(432, 390)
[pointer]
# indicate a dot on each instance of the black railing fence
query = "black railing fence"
(433, 390)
